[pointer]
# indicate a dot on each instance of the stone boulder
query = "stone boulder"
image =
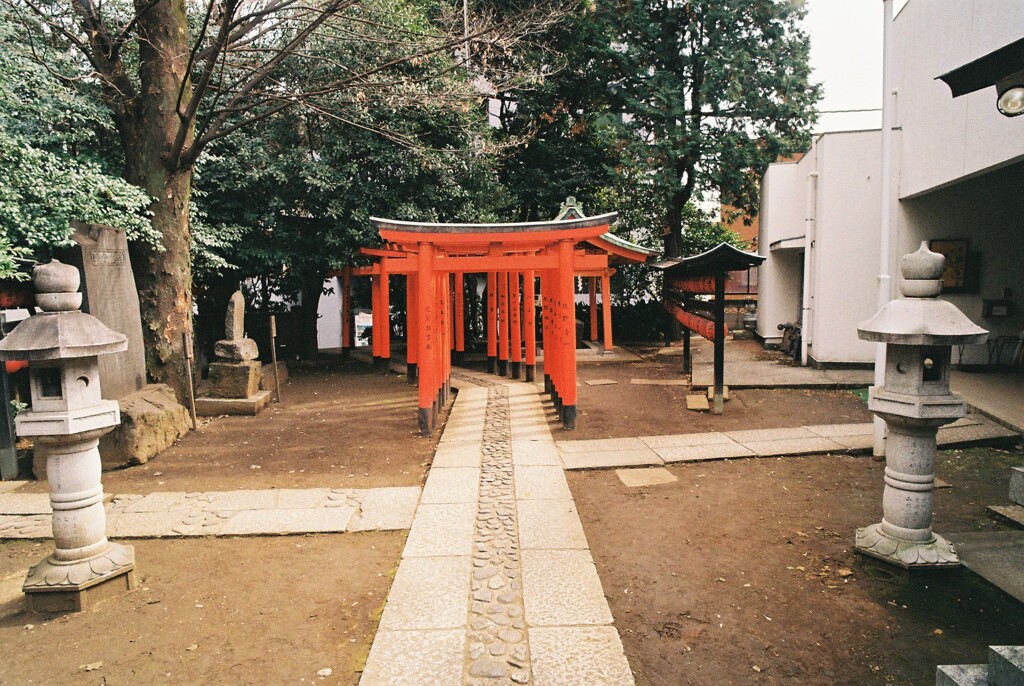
(151, 421)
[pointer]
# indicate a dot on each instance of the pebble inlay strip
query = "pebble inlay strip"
(497, 647)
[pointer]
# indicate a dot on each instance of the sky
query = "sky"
(846, 57)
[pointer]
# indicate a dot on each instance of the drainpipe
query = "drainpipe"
(810, 223)
(885, 226)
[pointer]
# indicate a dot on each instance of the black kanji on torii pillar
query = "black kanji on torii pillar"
(703, 274)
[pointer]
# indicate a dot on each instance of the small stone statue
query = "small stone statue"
(236, 373)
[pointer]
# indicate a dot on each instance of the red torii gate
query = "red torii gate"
(434, 258)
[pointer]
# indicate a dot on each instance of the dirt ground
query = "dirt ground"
(339, 426)
(253, 610)
(743, 572)
(625, 409)
(213, 611)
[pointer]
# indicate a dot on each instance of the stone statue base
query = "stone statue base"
(937, 552)
(233, 379)
(57, 586)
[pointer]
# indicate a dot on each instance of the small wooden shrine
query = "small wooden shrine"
(688, 282)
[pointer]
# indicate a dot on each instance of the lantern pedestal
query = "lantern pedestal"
(84, 564)
(904, 537)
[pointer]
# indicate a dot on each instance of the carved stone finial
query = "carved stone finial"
(57, 286)
(922, 273)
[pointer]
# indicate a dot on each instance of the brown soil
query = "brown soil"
(259, 610)
(743, 572)
(342, 426)
(214, 611)
(625, 409)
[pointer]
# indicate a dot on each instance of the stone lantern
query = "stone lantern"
(919, 331)
(67, 418)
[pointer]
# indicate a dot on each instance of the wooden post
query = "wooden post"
(515, 323)
(567, 360)
(375, 318)
(385, 316)
(273, 357)
(606, 310)
(592, 284)
(719, 342)
(687, 360)
(186, 346)
(460, 318)
(503, 323)
(490, 322)
(411, 328)
(425, 336)
(529, 325)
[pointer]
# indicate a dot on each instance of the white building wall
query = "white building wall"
(328, 323)
(945, 140)
(779, 277)
(845, 250)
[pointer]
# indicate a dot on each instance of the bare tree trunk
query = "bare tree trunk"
(151, 139)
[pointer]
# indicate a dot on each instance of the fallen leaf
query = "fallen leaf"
(91, 667)
(845, 572)
(756, 668)
(937, 632)
(192, 647)
(326, 671)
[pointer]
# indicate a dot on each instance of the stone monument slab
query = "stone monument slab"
(110, 295)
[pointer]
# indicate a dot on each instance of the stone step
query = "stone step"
(961, 675)
(1006, 665)
(1017, 485)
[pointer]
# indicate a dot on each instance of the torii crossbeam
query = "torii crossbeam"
(514, 256)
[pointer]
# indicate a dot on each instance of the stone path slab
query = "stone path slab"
(638, 478)
(498, 587)
(799, 440)
(227, 513)
(601, 382)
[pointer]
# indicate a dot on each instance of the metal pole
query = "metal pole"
(273, 356)
(884, 257)
(186, 346)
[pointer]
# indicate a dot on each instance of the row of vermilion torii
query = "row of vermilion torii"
(520, 260)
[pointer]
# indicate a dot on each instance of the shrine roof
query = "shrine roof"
(512, 227)
(723, 257)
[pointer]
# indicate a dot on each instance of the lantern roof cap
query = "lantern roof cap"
(919, 317)
(61, 335)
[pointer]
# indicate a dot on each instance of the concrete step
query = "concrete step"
(1006, 665)
(961, 675)
(1017, 485)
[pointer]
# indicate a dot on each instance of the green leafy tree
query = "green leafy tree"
(176, 75)
(320, 177)
(712, 91)
(54, 168)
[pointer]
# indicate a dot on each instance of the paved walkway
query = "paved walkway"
(226, 513)
(496, 584)
(804, 440)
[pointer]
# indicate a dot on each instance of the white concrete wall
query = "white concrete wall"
(844, 259)
(328, 324)
(945, 139)
(779, 277)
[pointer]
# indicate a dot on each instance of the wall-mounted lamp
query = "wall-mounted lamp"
(1010, 91)
(1002, 68)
